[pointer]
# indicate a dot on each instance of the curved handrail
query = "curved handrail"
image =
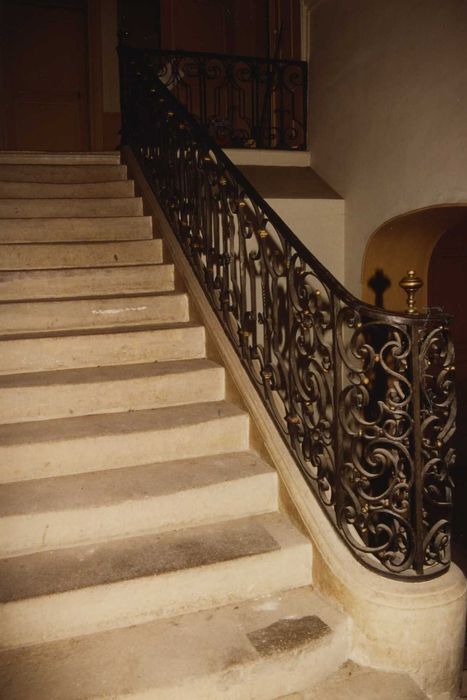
(363, 397)
(246, 101)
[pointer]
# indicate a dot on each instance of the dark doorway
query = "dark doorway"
(45, 75)
(261, 28)
(447, 288)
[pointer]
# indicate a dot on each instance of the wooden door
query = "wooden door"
(447, 288)
(217, 26)
(44, 62)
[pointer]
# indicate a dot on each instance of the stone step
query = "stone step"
(85, 207)
(281, 644)
(118, 228)
(43, 514)
(46, 190)
(57, 158)
(63, 446)
(46, 256)
(64, 593)
(35, 316)
(61, 174)
(80, 392)
(93, 282)
(114, 346)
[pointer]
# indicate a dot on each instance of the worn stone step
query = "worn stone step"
(87, 207)
(61, 174)
(44, 230)
(74, 314)
(104, 281)
(39, 190)
(46, 256)
(80, 392)
(43, 514)
(114, 346)
(63, 593)
(60, 158)
(63, 446)
(280, 644)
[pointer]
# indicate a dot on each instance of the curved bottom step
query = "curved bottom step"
(280, 644)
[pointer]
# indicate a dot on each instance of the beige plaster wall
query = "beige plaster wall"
(388, 109)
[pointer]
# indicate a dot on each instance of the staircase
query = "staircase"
(144, 554)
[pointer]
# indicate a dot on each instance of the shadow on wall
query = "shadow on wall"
(403, 243)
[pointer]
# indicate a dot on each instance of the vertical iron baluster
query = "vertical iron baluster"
(419, 554)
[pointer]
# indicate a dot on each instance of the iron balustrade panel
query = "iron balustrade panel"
(244, 102)
(363, 398)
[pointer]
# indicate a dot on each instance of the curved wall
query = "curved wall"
(388, 109)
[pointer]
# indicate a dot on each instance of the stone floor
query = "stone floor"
(354, 682)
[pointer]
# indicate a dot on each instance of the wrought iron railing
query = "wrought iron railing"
(363, 398)
(244, 102)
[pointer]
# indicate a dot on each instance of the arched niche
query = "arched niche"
(403, 243)
(447, 288)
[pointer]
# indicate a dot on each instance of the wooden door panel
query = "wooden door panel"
(45, 68)
(51, 124)
(197, 25)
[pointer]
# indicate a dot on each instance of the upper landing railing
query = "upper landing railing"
(363, 398)
(244, 102)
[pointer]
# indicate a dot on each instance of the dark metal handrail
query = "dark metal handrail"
(363, 398)
(244, 102)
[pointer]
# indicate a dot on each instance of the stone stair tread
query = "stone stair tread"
(98, 489)
(190, 656)
(59, 429)
(58, 174)
(70, 208)
(97, 375)
(60, 157)
(98, 564)
(108, 389)
(43, 514)
(118, 345)
(117, 329)
(85, 282)
(92, 254)
(22, 317)
(48, 190)
(66, 229)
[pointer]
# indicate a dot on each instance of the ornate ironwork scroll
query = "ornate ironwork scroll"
(244, 102)
(363, 398)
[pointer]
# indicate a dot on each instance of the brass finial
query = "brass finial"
(411, 284)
